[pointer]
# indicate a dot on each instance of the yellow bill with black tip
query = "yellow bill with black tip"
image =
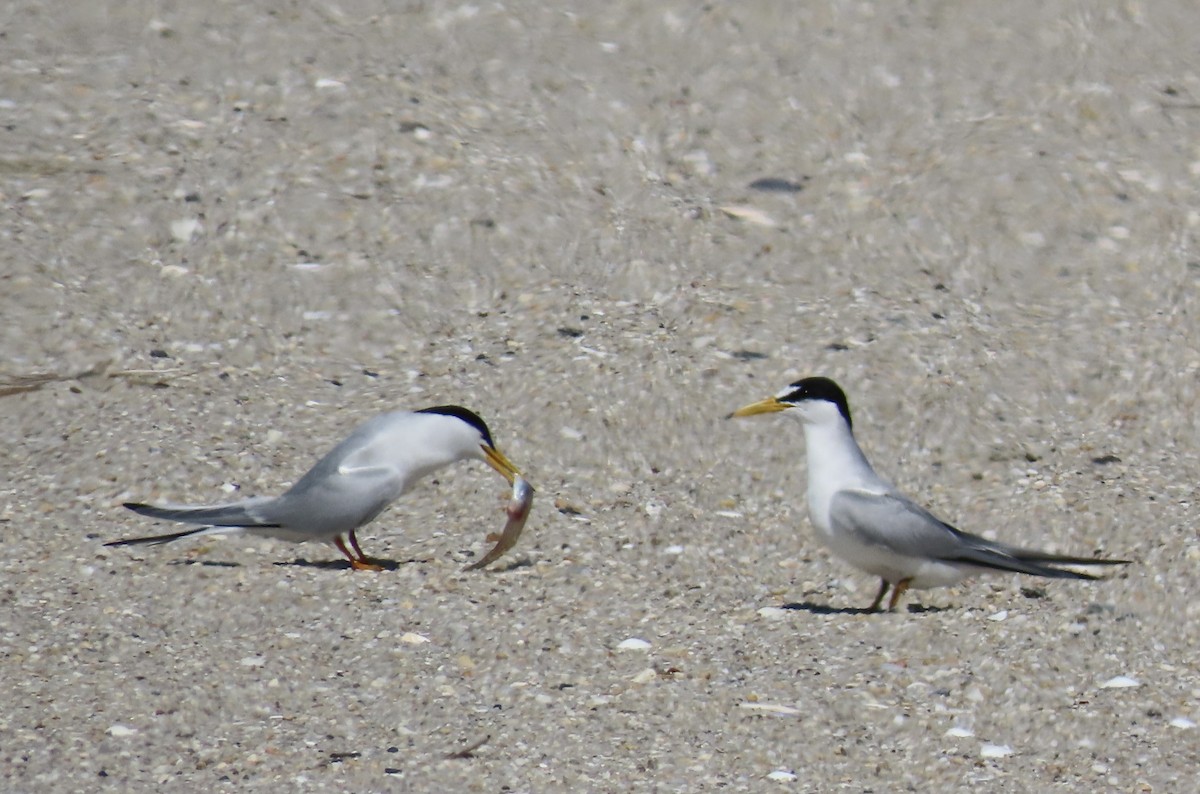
(497, 460)
(771, 405)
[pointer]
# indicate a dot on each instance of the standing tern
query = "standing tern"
(863, 519)
(376, 464)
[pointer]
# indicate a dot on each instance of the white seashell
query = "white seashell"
(633, 644)
(773, 613)
(742, 212)
(995, 751)
(1120, 682)
(185, 229)
(773, 708)
(413, 639)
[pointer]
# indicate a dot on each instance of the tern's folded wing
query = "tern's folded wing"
(903, 527)
(894, 523)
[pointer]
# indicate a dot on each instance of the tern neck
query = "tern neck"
(834, 458)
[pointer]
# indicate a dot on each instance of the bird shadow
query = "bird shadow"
(512, 565)
(344, 565)
(827, 609)
(387, 565)
(920, 609)
(207, 563)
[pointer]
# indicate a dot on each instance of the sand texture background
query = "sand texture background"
(231, 231)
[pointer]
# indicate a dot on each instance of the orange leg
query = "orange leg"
(883, 588)
(357, 549)
(364, 562)
(899, 590)
(359, 563)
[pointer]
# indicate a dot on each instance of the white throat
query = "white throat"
(835, 463)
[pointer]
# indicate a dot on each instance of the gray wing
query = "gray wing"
(364, 449)
(896, 523)
(346, 488)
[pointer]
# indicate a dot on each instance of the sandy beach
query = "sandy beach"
(234, 231)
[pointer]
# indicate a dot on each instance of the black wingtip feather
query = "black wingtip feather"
(154, 540)
(1058, 559)
(1045, 566)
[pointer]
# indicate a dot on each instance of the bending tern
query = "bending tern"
(376, 464)
(863, 519)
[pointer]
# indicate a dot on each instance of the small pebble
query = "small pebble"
(252, 661)
(958, 732)
(1183, 723)
(121, 731)
(774, 184)
(782, 776)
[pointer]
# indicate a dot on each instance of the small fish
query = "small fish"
(519, 505)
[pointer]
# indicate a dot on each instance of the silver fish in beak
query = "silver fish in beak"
(519, 506)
